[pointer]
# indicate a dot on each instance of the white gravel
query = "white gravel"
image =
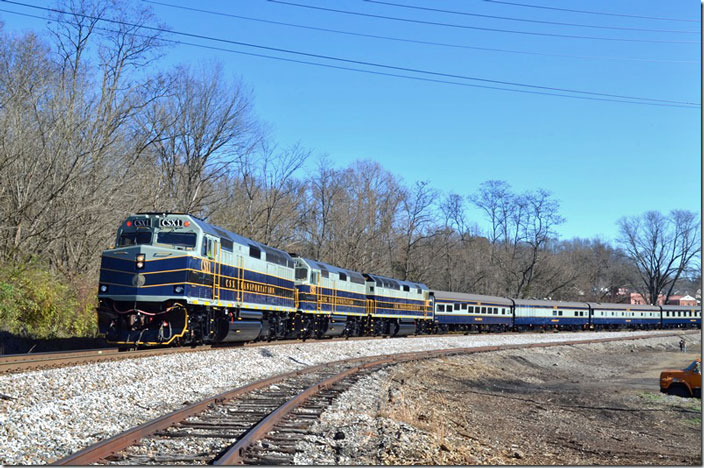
(57, 412)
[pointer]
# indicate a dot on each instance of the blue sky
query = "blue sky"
(602, 160)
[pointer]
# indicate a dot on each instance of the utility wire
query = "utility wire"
(525, 20)
(355, 62)
(590, 12)
(412, 41)
(478, 28)
(372, 72)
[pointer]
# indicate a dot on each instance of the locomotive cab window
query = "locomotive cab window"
(441, 308)
(301, 273)
(406, 288)
(343, 277)
(135, 238)
(177, 239)
(208, 249)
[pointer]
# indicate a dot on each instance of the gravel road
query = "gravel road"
(56, 412)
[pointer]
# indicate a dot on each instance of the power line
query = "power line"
(510, 18)
(590, 12)
(372, 72)
(355, 62)
(478, 28)
(412, 41)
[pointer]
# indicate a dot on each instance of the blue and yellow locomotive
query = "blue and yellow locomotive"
(176, 279)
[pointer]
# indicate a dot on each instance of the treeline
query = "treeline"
(93, 128)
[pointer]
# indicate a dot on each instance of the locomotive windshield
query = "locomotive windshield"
(135, 238)
(179, 239)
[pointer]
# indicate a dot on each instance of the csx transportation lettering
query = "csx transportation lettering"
(259, 288)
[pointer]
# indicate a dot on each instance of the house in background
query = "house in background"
(685, 300)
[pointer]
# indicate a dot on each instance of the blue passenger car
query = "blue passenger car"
(531, 313)
(624, 316)
(465, 312)
(674, 316)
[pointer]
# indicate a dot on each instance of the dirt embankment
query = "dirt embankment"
(583, 404)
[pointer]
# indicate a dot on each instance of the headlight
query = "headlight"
(140, 261)
(178, 289)
(103, 288)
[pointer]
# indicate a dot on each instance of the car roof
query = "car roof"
(458, 296)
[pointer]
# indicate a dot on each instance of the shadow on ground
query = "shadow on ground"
(14, 344)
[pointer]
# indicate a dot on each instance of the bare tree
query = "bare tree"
(661, 247)
(199, 130)
(415, 225)
(263, 195)
(520, 228)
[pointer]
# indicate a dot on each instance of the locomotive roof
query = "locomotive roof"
(455, 296)
(544, 303)
(322, 266)
(272, 254)
(395, 282)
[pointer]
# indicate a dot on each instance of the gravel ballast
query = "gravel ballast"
(57, 412)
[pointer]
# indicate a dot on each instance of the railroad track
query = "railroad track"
(259, 423)
(12, 363)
